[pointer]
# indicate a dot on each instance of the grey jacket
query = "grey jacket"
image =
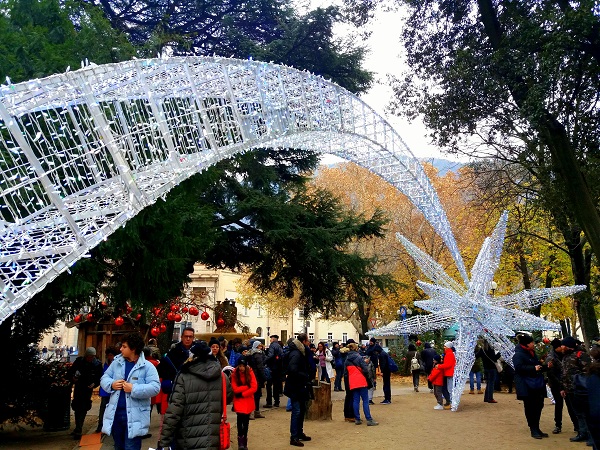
(195, 407)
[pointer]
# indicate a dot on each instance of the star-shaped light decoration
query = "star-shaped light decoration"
(476, 312)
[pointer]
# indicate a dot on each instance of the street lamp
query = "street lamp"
(493, 287)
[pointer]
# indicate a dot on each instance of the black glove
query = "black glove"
(238, 395)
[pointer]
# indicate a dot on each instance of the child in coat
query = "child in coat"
(436, 377)
(243, 382)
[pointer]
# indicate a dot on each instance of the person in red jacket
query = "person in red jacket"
(448, 368)
(436, 378)
(243, 382)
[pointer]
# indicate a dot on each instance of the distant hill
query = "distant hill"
(443, 165)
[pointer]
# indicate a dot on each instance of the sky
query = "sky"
(386, 57)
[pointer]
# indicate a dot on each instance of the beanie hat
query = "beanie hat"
(556, 342)
(213, 341)
(449, 344)
(373, 340)
(256, 344)
(525, 339)
(569, 342)
(90, 351)
(437, 358)
(241, 360)
(200, 350)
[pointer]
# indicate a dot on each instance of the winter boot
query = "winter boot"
(258, 415)
(241, 445)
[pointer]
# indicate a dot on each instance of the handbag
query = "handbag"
(414, 363)
(224, 427)
(498, 365)
(537, 383)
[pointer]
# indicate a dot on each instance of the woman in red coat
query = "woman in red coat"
(448, 368)
(244, 386)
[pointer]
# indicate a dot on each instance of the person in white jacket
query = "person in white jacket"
(131, 381)
(324, 358)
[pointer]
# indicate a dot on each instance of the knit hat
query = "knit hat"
(90, 351)
(256, 344)
(241, 360)
(525, 339)
(449, 344)
(350, 341)
(569, 342)
(556, 342)
(213, 341)
(437, 358)
(373, 340)
(200, 350)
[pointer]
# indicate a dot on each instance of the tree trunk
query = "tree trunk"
(320, 408)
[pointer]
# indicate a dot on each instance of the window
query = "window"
(283, 336)
(311, 337)
(260, 311)
(246, 312)
(208, 326)
(258, 332)
(344, 337)
(330, 337)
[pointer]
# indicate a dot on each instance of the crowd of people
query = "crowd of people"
(191, 385)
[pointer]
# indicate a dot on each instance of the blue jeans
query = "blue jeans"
(119, 433)
(339, 373)
(297, 419)
(361, 393)
(490, 380)
(478, 377)
(447, 389)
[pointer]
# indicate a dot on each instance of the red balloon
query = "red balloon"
(220, 322)
(90, 317)
(174, 308)
(177, 317)
(163, 328)
(185, 310)
(204, 315)
(119, 321)
(194, 311)
(155, 331)
(78, 318)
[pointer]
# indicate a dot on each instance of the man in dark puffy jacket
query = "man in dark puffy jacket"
(193, 417)
(174, 359)
(274, 362)
(554, 361)
(85, 374)
(297, 387)
(427, 355)
(574, 362)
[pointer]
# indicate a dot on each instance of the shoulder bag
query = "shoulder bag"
(224, 427)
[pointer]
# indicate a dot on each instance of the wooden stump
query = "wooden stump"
(320, 408)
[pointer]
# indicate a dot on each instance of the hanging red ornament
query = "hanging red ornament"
(194, 311)
(204, 315)
(220, 322)
(162, 328)
(155, 331)
(185, 310)
(178, 317)
(128, 308)
(78, 318)
(119, 321)
(89, 317)
(419, 342)
(103, 304)
(546, 340)
(174, 308)
(171, 316)
(138, 317)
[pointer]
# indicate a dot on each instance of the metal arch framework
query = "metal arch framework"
(83, 152)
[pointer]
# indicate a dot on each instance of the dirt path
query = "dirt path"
(409, 422)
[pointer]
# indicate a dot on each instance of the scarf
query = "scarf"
(531, 352)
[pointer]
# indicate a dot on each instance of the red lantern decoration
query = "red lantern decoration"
(163, 328)
(194, 311)
(174, 308)
(138, 317)
(119, 321)
(155, 331)
(78, 318)
(220, 322)
(177, 317)
(419, 342)
(185, 310)
(171, 316)
(204, 315)
(90, 317)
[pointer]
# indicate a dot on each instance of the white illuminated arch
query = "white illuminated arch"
(83, 152)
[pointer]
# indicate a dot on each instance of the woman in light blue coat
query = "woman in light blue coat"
(131, 382)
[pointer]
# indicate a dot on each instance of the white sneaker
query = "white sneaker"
(438, 407)
(431, 391)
